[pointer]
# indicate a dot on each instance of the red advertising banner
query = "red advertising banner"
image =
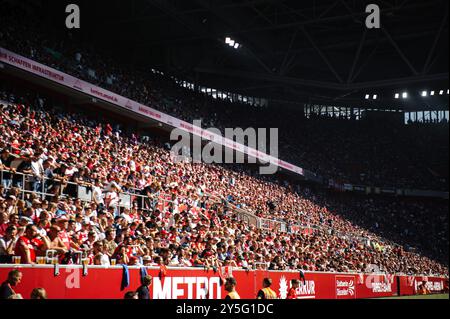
(407, 285)
(433, 284)
(191, 283)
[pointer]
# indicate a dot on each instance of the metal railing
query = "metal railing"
(147, 203)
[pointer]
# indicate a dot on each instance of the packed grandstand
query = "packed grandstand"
(202, 215)
(376, 154)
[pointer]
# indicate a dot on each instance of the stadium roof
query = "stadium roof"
(291, 49)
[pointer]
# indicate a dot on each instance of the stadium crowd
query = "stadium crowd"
(198, 227)
(379, 155)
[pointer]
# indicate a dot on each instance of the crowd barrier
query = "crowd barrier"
(85, 195)
(98, 282)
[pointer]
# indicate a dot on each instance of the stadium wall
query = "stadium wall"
(98, 282)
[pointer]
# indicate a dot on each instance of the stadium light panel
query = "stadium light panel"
(367, 96)
(405, 95)
(375, 97)
(397, 95)
(432, 93)
(441, 92)
(424, 94)
(232, 43)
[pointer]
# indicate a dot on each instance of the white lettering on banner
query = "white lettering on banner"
(182, 287)
(202, 286)
(190, 281)
(161, 291)
(307, 288)
(345, 287)
(74, 83)
(436, 286)
(176, 291)
(433, 286)
(380, 287)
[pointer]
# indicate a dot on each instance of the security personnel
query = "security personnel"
(230, 287)
(266, 292)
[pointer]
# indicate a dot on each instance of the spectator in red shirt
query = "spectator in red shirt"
(30, 245)
(3, 223)
(63, 223)
(83, 233)
(292, 294)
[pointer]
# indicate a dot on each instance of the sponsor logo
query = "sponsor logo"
(187, 288)
(380, 287)
(306, 289)
(345, 287)
(103, 95)
(149, 112)
(283, 288)
(433, 286)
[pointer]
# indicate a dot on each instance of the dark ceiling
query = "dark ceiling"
(292, 49)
